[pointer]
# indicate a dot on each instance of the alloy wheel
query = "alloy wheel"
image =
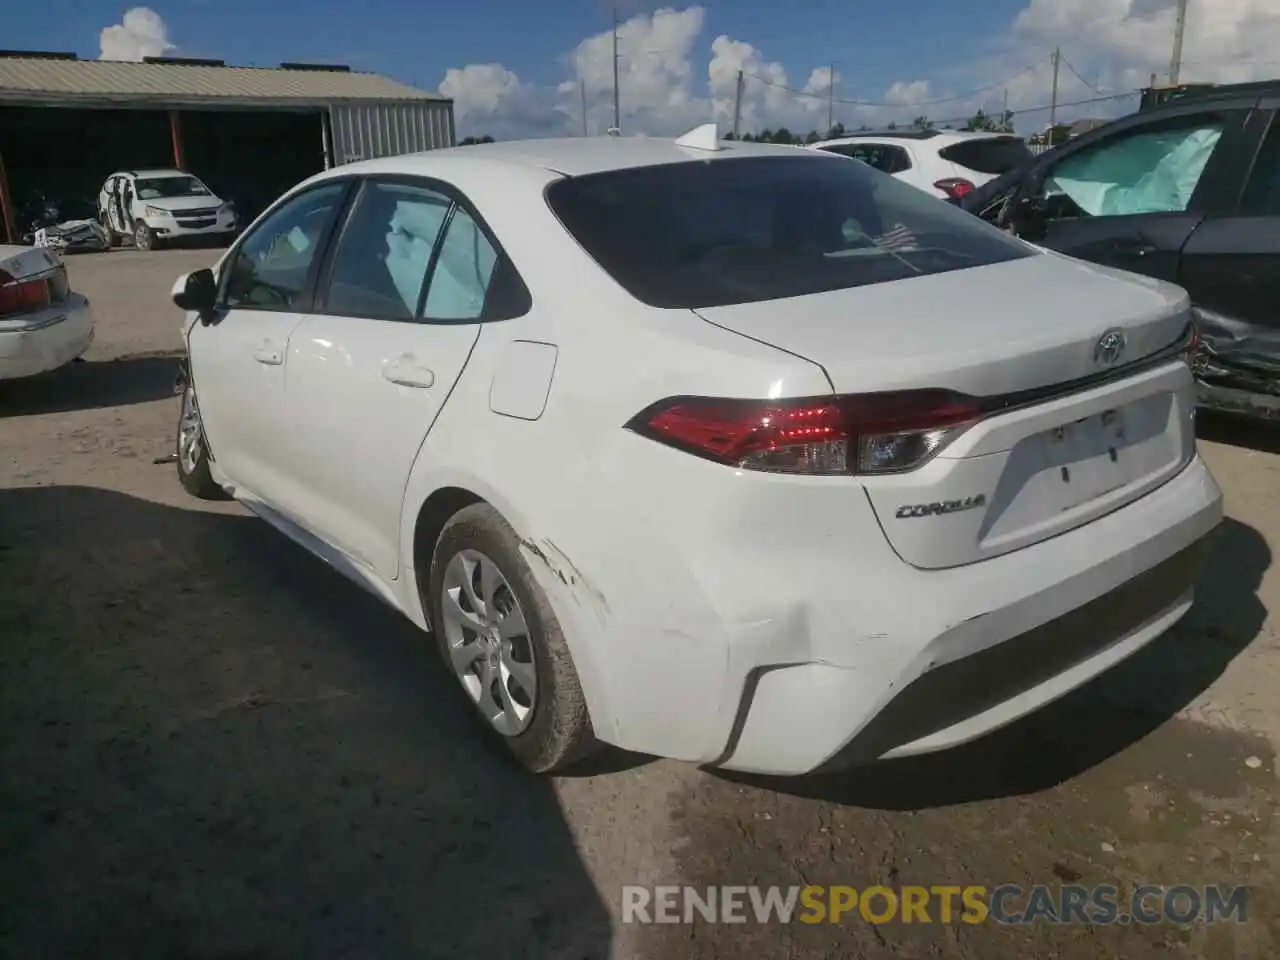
(190, 432)
(487, 637)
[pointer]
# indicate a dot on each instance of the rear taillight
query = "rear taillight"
(954, 187)
(869, 433)
(22, 296)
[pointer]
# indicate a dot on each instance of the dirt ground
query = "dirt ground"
(213, 747)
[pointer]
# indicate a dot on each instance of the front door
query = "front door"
(238, 359)
(1133, 198)
(1231, 266)
(370, 370)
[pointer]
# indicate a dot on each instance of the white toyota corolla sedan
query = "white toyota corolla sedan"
(743, 455)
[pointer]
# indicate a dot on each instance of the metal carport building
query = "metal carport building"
(251, 132)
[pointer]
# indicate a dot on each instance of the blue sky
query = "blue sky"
(514, 67)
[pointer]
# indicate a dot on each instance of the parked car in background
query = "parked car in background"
(667, 448)
(44, 324)
(945, 163)
(1187, 192)
(154, 207)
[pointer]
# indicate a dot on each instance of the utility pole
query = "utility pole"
(1053, 99)
(737, 106)
(1180, 26)
(831, 99)
(582, 88)
(1004, 113)
(617, 110)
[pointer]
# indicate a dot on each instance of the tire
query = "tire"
(557, 731)
(143, 238)
(192, 451)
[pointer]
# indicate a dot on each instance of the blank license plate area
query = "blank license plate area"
(1080, 461)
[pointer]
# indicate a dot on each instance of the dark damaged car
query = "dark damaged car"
(1189, 192)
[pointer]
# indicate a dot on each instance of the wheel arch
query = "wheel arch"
(425, 519)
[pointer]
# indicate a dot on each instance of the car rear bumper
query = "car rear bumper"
(46, 340)
(1056, 615)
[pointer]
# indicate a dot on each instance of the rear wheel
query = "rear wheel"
(501, 640)
(193, 451)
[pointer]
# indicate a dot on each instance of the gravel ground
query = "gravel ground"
(211, 746)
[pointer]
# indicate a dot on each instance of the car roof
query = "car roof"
(570, 156)
(153, 174)
(945, 136)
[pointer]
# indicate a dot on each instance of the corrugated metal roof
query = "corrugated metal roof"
(96, 81)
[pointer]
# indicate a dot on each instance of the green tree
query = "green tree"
(836, 132)
(922, 123)
(468, 141)
(891, 126)
(783, 135)
(980, 121)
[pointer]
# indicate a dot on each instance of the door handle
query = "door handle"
(407, 372)
(1135, 248)
(269, 354)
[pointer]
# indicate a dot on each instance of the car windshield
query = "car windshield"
(166, 188)
(741, 230)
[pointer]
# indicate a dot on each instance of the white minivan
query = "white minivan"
(156, 206)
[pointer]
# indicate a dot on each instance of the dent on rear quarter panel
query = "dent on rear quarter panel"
(522, 379)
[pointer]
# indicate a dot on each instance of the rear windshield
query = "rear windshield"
(988, 155)
(713, 233)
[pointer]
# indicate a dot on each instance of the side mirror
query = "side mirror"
(196, 291)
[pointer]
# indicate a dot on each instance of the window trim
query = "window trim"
(306, 296)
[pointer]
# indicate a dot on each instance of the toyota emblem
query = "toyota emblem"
(1109, 348)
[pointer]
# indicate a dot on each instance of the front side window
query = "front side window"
(1262, 192)
(382, 257)
(168, 188)
(747, 229)
(270, 268)
(462, 274)
(1145, 171)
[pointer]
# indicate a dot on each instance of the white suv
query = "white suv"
(154, 206)
(945, 163)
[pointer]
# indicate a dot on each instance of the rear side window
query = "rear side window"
(994, 155)
(705, 234)
(384, 252)
(1262, 192)
(882, 156)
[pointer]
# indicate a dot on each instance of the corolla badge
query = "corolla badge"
(1109, 348)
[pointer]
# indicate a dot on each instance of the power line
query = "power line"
(1082, 79)
(1044, 107)
(871, 103)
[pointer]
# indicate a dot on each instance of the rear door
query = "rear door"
(1133, 196)
(1231, 265)
(401, 306)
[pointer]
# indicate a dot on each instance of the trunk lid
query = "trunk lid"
(1053, 461)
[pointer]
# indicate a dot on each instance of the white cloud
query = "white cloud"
(671, 79)
(140, 33)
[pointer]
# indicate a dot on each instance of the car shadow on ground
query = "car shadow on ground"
(1238, 431)
(213, 746)
(1083, 729)
(91, 385)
